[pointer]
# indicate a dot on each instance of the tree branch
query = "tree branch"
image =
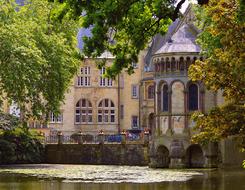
(177, 10)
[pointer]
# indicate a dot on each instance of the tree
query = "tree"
(123, 28)
(38, 56)
(223, 44)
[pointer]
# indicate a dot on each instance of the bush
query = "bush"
(7, 152)
(19, 145)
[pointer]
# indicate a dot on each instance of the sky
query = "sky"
(185, 5)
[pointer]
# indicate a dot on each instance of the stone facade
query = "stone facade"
(107, 154)
(176, 98)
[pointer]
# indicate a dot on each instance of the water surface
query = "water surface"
(92, 177)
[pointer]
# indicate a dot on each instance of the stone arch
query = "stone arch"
(194, 156)
(159, 86)
(162, 157)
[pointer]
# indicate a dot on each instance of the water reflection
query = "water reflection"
(213, 180)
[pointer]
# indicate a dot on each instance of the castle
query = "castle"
(159, 96)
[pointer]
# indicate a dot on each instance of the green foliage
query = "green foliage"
(123, 28)
(38, 56)
(220, 122)
(20, 146)
(8, 121)
(223, 45)
(7, 152)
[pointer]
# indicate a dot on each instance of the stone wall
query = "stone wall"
(113, 154)
(231, 155)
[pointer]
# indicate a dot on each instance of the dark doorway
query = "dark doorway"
(194, 156)
(162, 157)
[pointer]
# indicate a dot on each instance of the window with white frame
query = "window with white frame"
(84, 78)
(135, 91)
(55, 118)
(107, 82)
(106, 111)
(134, 122)
(84, 112)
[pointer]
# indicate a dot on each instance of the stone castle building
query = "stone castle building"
(158, 96)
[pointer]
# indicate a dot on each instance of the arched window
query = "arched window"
(188, 62)
(181, 64)
(165, 98)
(106, 111)
(168, 66)
(173, 64)
(193, 97)
(151, 92)
(162, 65)
(84, 111)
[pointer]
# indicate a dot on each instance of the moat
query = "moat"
(99, 177)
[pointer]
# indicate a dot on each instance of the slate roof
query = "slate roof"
(159, 40)
(182, 41)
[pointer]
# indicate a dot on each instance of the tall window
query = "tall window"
(151, 92)
(84, 77)
(193, 97)
(104, 81)
(165, 98)
(173, 64)
(84, 111)
(134, 91)
(134, 121)
(106, 111)
(181, 64)
(168, 66)
(55, 118)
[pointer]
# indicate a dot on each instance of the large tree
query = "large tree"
(223, 44)
(123, 28)
(38, 56)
